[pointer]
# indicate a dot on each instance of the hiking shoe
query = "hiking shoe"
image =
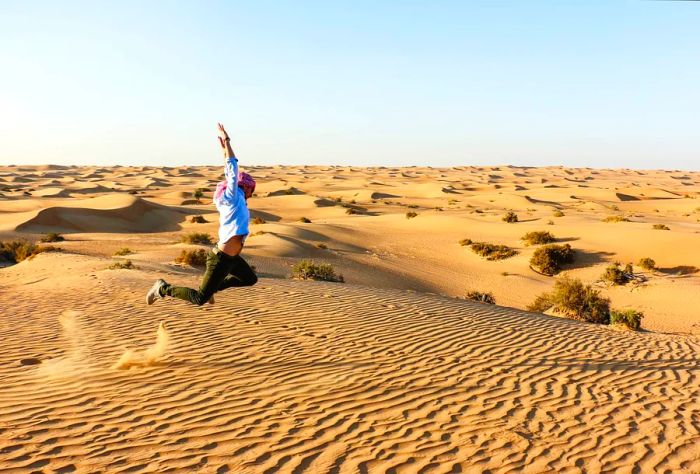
(154, 292)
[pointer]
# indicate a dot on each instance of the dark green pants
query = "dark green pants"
(223, 271)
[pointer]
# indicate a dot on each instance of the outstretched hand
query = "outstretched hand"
(223, 136)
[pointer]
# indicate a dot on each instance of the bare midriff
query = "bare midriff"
(232, 246)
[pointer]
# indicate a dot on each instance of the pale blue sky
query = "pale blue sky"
(580, 83)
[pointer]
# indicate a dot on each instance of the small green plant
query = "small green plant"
(549, 258)
(321, 245)
(629, 318)
(481, 297)
(538, 238)
(193, 258)
(660, 227)
(18, 250)
(616, 219)
(305, 220)
(123, 251)
(558, 213)
(647, 263)
(259, 220)
(197, 238)
(411, 215)
(492, 251)
(198, 220)
(308, 270)
(53, 237)
(575, 300)
(616, 275)
(125, 265)
(510, 217)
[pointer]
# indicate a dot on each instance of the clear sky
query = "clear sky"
(600, 83)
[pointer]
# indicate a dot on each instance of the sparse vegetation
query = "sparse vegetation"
(660, 227)
(616, 219)
(19, 250)
(198, 194)
(197, 238)
(510, 217)
(550, 258)
(53, 237)
(550, 222)
(305, 220)
(465, 242)
(193, 258)
(538, 238)
(481, 297)
(647, 263)
(629, 318)
(558, 213)
(308, 270)
(122, 265)
(411, 215)
(198, 220)
(123, 251)
(350, 211)
(492, 251)
(573, 299)
(321, 245)
(616, 275)
(259, 220)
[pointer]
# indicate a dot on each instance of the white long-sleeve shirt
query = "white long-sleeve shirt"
(234, 216)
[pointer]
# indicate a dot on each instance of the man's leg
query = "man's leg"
(240, 274)
(218, 266)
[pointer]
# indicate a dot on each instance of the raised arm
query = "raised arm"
(231, 164)
(225, 142)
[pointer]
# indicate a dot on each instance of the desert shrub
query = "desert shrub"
(492, 251)
(198, 220)
(308, 270)
(538, 238)
(321, 245)
(647, 263)
(558, 213)
(465, 242)
(125, 265)
(305, 220)
(629, 318)
(413, 206)
(123, 251)
(660, 227)
(616, 219)
(198, 194)
(510, 217)
(549, 258)
(350, 211)
(411, 215)
(18, 250)
(616, 275)
(259, 220)
(53, 237)
(550, 222)
(193, 258)
(197, 238)
(481, 297)
(260, 232)
(575, 300)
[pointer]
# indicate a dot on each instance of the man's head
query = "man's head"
(246, 183)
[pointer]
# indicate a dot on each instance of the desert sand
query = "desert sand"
(391, 371)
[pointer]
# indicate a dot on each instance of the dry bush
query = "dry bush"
(411, 215)
(308, 270)
(510, 217)
(259, 220)
(647, 263)
(125, 265)
(481, 297)
(193, 258)
(16, 251)
(661, 227)
(350, 211)
(558, 213)
(616, 275)
(573, 299)
(198, 220)
(538, 238)
(321, 245)
(616, 219)
(53, 237)
(548, 259)
(629, 318)
(465, 242)
(305, 220)
(492, 251)
(197, 238)
(123, 251)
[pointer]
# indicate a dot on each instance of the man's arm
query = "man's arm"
(231, 164)
(225, 143)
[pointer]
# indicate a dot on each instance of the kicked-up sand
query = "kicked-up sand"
(392, 371)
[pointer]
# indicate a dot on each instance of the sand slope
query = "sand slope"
(294, 376)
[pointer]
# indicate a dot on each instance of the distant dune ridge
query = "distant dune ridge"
(392, 371)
